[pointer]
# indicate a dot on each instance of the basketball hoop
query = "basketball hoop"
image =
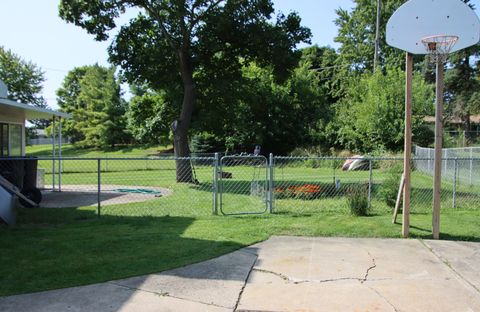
(439, 46)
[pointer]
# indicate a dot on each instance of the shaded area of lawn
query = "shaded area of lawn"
(54, 248)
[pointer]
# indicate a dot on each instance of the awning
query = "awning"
(30, 112)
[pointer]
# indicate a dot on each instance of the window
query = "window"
(15, 140)
(3, 140)
(11, 140)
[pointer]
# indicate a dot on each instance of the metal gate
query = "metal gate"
(243, 185)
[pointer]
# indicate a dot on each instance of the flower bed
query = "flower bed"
(305, 191)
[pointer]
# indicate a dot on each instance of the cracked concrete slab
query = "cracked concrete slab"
(292, 274)
(345, 274)
(215, 282)
(463, 257)
(100, 297)
(303, 258)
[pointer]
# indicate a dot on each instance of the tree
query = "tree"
(23, 79)
(356, 35)
(461, 86)
(149, 116)
(279, 116)
(92, 95)
(169, 41)
(371, 116)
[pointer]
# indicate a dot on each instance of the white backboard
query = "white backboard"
(417, 19)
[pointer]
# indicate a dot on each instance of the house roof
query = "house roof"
(30, 112)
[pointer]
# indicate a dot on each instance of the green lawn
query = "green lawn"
(54, 248)
(69, 150)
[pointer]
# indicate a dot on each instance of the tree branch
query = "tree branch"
(151, 10)
(202, 14)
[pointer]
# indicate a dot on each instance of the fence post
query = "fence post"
(471, 164)
(429, 160)
(98, 187)
(454, 200)
(270, 203)
(446, 162)
(370, 182)
(53, 153)
(215, 186)
(60, 154)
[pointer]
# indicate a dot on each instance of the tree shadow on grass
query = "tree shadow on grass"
(71, 247)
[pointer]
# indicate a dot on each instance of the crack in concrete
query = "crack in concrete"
(365, 278)
(293, 281)
(384, 298)
(166, 294)
(448, 265)
(244, 285)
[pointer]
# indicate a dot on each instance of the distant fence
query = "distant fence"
(44, 141)
(458, 164)
(147, 186)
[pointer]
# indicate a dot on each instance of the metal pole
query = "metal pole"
(407, 146)
(370, 183)
(377, 36)
(446, 161)
(454, 200)
(270, 203)
(98, 187)
(471, 165)
(437, 181)
(429, 160)
(215, 186)
(60, 154)
(53, 153)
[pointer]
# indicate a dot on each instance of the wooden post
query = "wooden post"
(437, 180)
(398, 201)
(407, 146)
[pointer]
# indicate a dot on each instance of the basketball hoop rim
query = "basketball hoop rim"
(438, 47)
(450, 39)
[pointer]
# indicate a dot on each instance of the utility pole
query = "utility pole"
(377, 36)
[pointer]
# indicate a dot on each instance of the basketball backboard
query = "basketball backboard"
(417, 19)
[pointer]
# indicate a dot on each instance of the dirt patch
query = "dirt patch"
(86, 195)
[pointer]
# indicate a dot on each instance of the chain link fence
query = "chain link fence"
(230, 185)
(458, 164)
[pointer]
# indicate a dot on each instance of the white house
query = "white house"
(12, 122)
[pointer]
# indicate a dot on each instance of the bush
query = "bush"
(205, 142)
(357, 198)
(389, 188)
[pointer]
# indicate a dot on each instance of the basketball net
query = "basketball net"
(439, 46)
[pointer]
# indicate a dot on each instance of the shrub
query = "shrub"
(357, 198)
(205, 142)
(389, 188)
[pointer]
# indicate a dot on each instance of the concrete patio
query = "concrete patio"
(292, 274)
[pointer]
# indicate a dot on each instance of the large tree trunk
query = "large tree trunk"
(181, 126)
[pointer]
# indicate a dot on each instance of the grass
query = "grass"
(55, 248)
(69, 150)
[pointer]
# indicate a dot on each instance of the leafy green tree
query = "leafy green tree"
(462, 85)
(371, 116)
(279, 116)
(23, 79)
(356, 35)
(149, 116)
(169, 41)
(92, 95)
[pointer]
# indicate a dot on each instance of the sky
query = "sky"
(33, 30)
